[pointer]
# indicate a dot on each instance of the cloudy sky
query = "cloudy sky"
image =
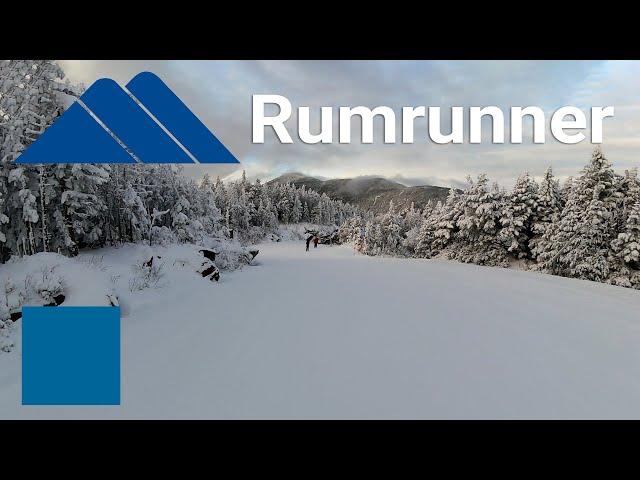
(219, 93)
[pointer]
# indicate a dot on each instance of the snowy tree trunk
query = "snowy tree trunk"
(32, 241)
(43, 216)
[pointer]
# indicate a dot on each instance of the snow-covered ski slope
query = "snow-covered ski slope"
(332, 334)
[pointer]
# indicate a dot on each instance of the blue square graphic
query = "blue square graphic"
(71, 356)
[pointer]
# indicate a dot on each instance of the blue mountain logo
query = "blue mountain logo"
(145, 123)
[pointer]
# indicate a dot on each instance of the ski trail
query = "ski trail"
(331, 334)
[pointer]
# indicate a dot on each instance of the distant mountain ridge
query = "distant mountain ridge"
(369, 192)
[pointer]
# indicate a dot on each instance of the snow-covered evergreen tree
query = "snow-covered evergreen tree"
(412, 221)
(3, 221)
(625, 261)
(352, 231)
(578, 244)
(64, 208)
(373, 238)
(391, 224)
(208, 212)
(426, 235)
(446, 226)
(565, 190)
(296, 209)
(518, 216)
(82, 204)
(626, 249)
(135, 215)
(549, 207)
(588, 229)
(478, 225)
(30, 100)
(629, 194)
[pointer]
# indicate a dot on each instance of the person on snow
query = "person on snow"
(315, 241)
(308, 242)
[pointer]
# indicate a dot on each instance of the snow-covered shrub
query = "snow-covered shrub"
(10, 305)
(488, 253)
(6, 332)
(230, 255)
(13, 297)
(162, 236)
(253, 234)
(48, 285)
(147, 273)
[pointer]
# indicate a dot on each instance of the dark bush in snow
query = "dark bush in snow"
(208, 269)
(209, 254)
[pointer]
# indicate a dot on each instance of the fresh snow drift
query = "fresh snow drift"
(333, 334)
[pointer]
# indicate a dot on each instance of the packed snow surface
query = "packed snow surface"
(333, 334)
